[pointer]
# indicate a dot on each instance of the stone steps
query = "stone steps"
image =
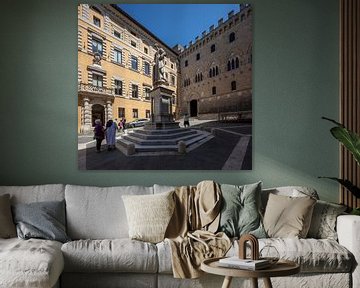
(148, 136)
(131, 145)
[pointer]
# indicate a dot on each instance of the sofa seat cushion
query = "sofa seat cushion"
(30, 263)
(115, 255)
(313, 255)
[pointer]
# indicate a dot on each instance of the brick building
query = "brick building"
(216, 68)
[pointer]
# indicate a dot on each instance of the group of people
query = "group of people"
(108, 132)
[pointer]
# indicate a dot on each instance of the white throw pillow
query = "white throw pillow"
(149, 215)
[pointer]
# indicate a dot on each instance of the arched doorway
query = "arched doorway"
(97, 112)
(193, 108)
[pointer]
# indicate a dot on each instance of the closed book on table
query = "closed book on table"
(236, 262)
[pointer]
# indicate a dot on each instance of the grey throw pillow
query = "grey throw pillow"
(44, 220)
(7, 226)
(240, 213)
(323, 222)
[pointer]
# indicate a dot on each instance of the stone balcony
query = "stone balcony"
(95, 90)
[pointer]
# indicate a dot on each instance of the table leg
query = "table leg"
(267, 283)
(227, 282)
(254, 282)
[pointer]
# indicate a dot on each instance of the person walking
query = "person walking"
(186, 120)
(124, 124)
(110, 133)
(98, 134)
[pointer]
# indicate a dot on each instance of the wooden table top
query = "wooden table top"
(281, 268)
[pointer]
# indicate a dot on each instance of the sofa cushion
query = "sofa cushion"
(291, 191)
(43, 220)
(240, 210)
(35, 193)
(313, 255)
(7, 226)
(98, 213)
(323, 222)
(149, 215)
(117, 255)
(30, 263)
(287, 216)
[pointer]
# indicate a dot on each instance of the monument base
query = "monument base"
(161, 125)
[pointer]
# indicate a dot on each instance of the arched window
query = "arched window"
(201, 78)
(233, 85)
(217, 70)
(229, 65)
(213, 71)
(232, 37)
(237, 62)
(232, 64)
(210, 73)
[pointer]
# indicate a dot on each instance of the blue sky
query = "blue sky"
(178, 23)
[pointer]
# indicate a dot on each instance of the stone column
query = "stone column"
(152, 109)
(109, 114)
(87, 115)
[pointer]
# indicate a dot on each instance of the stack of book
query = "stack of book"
(248, 264)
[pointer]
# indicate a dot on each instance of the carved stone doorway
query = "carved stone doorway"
(97, 112)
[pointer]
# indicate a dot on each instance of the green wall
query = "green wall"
(295, 83)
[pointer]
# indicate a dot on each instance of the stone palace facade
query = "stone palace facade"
(211, 75)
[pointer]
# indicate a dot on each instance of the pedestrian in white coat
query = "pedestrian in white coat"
(110, 133)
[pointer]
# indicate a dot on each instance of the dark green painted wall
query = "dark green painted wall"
(295, 83)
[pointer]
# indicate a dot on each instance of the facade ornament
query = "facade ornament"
(97, 58)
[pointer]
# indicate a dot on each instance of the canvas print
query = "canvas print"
(165, 86)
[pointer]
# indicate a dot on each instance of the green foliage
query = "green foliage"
(351, 141)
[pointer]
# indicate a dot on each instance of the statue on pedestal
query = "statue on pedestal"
(159, 67)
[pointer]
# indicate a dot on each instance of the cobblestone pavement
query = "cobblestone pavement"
(230, 149)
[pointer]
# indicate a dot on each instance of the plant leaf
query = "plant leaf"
(349, 139)
(347, 184)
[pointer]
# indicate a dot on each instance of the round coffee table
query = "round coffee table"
(281, 268)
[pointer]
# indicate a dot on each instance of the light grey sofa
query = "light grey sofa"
(101, 254)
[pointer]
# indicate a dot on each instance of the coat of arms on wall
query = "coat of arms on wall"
(147, 104)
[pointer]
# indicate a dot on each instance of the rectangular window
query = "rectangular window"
(117, 34)
(135, 113)
(198, 56)
(118, 56)
(97, 46)
(118, 87)
(121, 112)
(172, 66)
(186, 63)
(147, 93)
(147, 113)
(134, 62)
(233, 85)
(213, 90)
(147, 68)
(133, 43)
(146, 50)
(97, 80)
(212, 48)
(96, 21)
(172, 80)
(135, 91)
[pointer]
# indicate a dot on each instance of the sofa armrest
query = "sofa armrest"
(348, 230)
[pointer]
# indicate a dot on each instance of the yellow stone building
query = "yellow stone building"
(115, 61)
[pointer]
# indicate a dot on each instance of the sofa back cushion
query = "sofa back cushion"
(98, 212)
(35, 193)
(290, 191)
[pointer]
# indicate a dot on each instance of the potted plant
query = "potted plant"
(351, 141)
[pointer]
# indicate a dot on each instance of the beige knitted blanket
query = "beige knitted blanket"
(191, 231)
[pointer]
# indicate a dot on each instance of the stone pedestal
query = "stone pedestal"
(161, 109)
